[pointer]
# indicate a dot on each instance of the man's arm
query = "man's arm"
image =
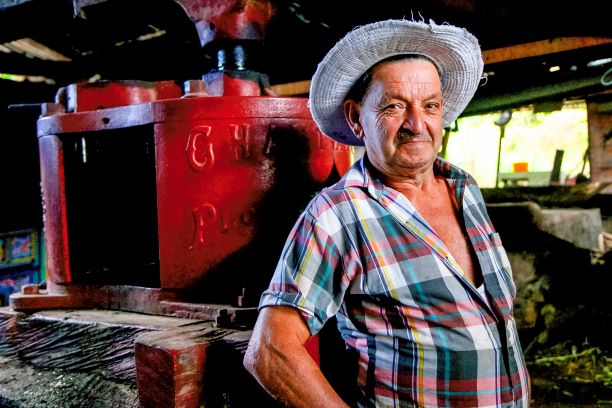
(276, 357)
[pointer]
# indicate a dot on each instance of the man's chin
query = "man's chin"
(415, 163)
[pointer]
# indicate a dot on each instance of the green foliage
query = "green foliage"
(529, 137)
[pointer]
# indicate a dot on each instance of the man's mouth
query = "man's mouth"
(407, 138)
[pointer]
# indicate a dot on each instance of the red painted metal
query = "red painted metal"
(313, 347)
(226, 85)
(233, 19)
(54, 209)
(89, 96)
(213, 176)
(230, 176)
(208, 179)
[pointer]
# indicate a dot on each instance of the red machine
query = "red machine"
(176, 200)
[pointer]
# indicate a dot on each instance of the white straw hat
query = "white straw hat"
(454, 51)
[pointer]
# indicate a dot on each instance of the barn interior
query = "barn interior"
(117, 264)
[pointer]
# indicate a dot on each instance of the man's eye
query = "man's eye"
(393, 107)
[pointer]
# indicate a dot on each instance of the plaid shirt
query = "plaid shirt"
(424, 334)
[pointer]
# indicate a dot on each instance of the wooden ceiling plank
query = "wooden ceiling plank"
(514, 52)
(539, 48)
(292, 88)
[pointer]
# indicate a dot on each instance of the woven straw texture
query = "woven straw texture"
(454, 50)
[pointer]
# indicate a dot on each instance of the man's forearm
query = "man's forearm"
(293, 378)
(277, 358)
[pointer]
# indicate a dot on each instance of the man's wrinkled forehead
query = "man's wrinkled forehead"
(416, 79)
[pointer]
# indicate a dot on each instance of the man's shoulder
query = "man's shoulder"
(336, 194)
(337, 199)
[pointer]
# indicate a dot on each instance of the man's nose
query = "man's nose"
(414, 119)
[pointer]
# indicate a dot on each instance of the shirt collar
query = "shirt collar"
(359, 175)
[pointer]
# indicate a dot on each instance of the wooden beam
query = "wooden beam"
(496, 55)
(292, 88)
(544, 47)
(523, 96)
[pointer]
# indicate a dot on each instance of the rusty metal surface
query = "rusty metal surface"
(235, 19)
(152, 301)
(70, 295)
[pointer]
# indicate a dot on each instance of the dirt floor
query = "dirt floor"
(25, 386)
(568, 376)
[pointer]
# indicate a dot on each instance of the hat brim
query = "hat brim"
(455, 52)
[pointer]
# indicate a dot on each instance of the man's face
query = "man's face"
(400, 117)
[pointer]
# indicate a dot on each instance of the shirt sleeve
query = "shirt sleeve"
(309, 275)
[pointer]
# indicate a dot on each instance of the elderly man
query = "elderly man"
(401, 250)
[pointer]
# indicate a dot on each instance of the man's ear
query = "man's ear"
(352, 115)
